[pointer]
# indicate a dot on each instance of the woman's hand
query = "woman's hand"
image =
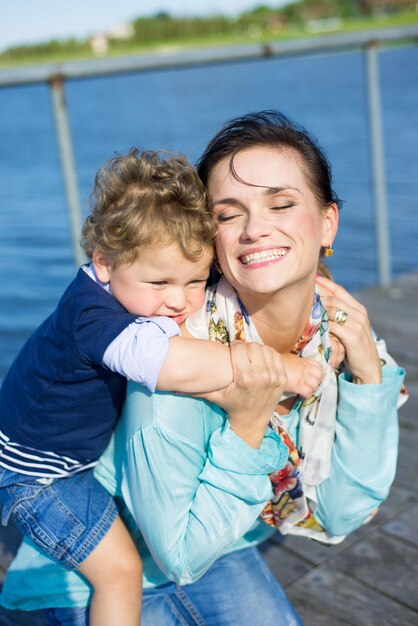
(337, 352)
(353, 331)
(259, 381)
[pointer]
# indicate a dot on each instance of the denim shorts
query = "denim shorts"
(65, 517)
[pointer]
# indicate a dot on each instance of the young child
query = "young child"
(150, 237)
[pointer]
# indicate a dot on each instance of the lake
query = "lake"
(180, 110)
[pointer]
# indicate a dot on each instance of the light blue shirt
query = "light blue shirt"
(196, 490)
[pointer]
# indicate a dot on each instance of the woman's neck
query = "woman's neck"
(281, 318)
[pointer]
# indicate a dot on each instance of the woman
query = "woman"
(195, 478)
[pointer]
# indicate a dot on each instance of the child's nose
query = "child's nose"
(176, 300)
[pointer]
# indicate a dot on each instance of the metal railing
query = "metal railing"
(56, 75)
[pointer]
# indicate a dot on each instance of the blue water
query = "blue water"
(180, 110)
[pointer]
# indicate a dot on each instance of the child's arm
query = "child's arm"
(154, 355)
(201, 366)
(303, 375)
(195, 366)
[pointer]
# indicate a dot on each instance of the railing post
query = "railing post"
(378, 166)
(65, 148)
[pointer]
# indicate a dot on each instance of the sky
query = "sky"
(33, 21)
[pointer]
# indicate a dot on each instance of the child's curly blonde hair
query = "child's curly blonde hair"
(145, 199)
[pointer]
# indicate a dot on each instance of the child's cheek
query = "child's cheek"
(199, 300)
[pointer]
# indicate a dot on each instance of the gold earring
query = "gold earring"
(329, 251)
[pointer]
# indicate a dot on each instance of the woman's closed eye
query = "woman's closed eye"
(235, 215)
(282, 207)
(222, 219)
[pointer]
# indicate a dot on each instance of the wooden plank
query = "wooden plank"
(407, 470)
(410, 408)
(398, 500)
(315, 552)
(384, 563)
(285, 566)
(399, 302)
(327, 597)
(405, 525)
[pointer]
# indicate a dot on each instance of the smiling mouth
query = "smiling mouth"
(263, 256)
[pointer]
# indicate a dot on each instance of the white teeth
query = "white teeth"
(266, 255)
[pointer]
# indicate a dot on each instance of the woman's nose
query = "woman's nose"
(256, 226)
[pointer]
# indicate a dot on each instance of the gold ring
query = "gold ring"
(340, 317)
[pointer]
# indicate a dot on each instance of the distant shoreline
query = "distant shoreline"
(321, 29)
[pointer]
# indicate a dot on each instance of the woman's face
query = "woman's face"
(269, 236)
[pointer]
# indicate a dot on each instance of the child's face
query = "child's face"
(161, 281)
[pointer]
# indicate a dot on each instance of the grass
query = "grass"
(192, 42)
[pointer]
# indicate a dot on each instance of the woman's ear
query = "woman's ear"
(101, 266)
(330, 226)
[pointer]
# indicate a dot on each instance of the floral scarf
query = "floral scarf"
(294, 500)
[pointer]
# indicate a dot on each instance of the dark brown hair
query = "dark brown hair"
(271, 128)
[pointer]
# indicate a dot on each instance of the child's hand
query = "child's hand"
(303, 375)
(259, 382)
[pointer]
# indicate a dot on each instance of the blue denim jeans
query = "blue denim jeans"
(75, 616)
(238, 590)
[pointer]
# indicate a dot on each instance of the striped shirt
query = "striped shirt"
(33, 462)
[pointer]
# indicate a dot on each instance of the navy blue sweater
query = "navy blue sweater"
(58, 396)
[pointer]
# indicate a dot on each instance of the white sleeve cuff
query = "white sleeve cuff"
(139, 351)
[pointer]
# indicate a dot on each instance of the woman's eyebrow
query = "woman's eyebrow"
(229, 201)
(271, 191)
(267, 191)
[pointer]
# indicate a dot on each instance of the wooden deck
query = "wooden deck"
(371, 578)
